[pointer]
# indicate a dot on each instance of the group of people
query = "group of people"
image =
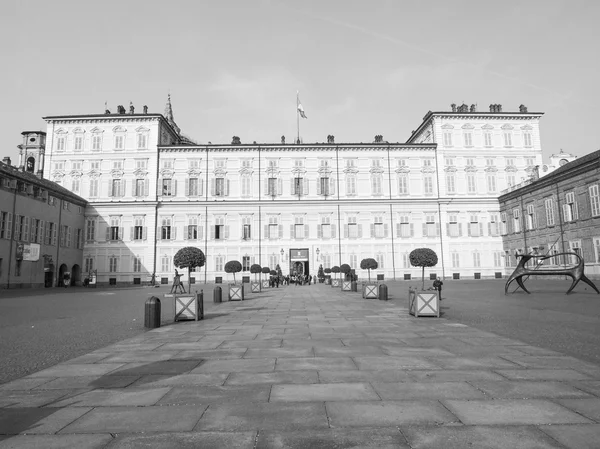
(295, 279)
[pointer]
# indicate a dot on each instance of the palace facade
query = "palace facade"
(152, 191)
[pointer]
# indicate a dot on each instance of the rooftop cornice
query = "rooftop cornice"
(298, 148)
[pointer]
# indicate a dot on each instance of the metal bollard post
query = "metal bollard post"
(383, 292)
(217, 294)
(152, 313)
(200, 307)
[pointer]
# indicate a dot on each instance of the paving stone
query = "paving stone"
(172, 367)
(348, 351)
(313, 342)
(210, 354)
(93, 357)
(204, 440)
(140, 356)
(153, 381)
(86, 382)
(473, 362)
(236, 365)
(389, 375)
(541, 374)
(253, 353)
(216, 395)
(131, 397)
(59, 418)
(580, 436)
(25, 383)
(127, 347)
(587, 407)
(275, 343)
(590, 386)
(323, 392)
(257, 416)
(137, 419)
(56, 441)
(278, 377)
(381, 438)
(77, 369)
(479, 437)
(16, 420)
(32, 398)
(387, 413)
(553, 362)
(390, 362)
(426, 390)
(453, 375)
(404, 351)
(528, 389)
(513, 412)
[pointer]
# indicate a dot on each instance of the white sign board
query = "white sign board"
(31, 252)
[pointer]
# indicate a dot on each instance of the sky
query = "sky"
(362, 67)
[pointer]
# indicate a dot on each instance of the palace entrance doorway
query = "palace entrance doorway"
(299, 264)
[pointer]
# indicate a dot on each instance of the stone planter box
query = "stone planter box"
(327, 281)
(370, 291)
(335, 283)
(423, 302)
(255, 287)
(265, 284)
(346, 286)
(236, 292)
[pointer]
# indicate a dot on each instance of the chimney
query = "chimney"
(523, 109)
(6, 160)
(453, 106)
(330, 139)
(145, 109)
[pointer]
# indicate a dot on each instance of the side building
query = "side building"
(152, 192)
(41, 224)
(557, 213)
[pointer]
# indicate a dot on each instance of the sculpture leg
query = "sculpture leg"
(520, 282)
(585, 279)
(575, 282)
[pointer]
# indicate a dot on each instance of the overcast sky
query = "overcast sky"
(362, 67)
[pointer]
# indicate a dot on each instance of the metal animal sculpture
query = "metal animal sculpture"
(576, 272)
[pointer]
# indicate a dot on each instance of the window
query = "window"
(517, 220)
(531, 219)
(192, 187)
(475, 227)
(192, 227)
(88, 264)
(299, 230)
(471, 183)
(476, 259)
(350, 163)
(50, 234)
(141, 188)
(137, 264)
(323, 185)
(549, 205)
(219, 262)
(490, 162)
(117, 187)
(138, 228)
(21, 228)
(94, 165)
(273, 228)
(526, 138)
(78, 142)
(376, 163)
(326, 260)
(168, 187)
(59, 165)
(491, 182)
(575, 246)
(273, 258)
(596, 243)
(503, 225)
(570, 211)
(498, 258)
(61, 142)
(402, 163)
(245, 263)
(220, 230)
(97, 141)
(37, 230)
(119, 141)
(449, 161)
(447, 138)
(430, 228)
(247, 227)
(455, 260)
(510, 162)
(5, 225)
(468, 138)
(378, 229)
(507, 138)
(141, 164)
(428, 184)
(493, 228)
(220, 187)
(353, 260)
(75, 185)
(402, 184)
(66, 205)
(297, 184)
(487, 139)
(90, 229)
(65, 236)
(220, 163)
(165, 264)
(379, 258)
(453, 226)
(76, 165)
(114, 229)
(350, 185)
(510, 180)
(272, 187)
(246, 185)
(353, 228)
(94, 187)
(450, 182)
(167, 164)
(529, 162)
(273, 164)
(404, 227)
(142, 140)
(166, 228)
(325, 229)
(595, 200)
(470, 162)
(245, 163)
(376, 180)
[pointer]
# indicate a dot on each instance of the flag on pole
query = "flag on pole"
(299, 105)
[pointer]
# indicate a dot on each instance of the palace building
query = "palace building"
(152, 191)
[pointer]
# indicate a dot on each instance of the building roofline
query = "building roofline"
(99, 116)
(33, 132)
(291, 146)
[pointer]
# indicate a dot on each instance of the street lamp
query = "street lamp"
(317, 251)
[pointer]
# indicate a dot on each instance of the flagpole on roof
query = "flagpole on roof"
(298, 116)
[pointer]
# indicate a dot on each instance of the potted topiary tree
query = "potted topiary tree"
(423, 302)
(190, 258)
(328, 276)
(236, 292)
(255, 286)
(346, 282)
(321, 274)
(335, 282)
(265, 282)
(369, 288)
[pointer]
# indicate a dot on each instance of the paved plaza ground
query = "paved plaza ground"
(313, 367)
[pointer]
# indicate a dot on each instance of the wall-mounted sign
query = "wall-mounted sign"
(31, 252)
(298, 254)
(19, 253)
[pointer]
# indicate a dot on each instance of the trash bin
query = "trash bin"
(152, 313)
(354, 286)
(217, 294)
(383, 293)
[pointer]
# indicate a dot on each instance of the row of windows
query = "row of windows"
(570, 212)
(34, 230)
(488, 139)
(97, 142)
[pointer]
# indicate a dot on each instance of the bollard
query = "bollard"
(152, 313)
(217, 293)
(200, 308)
(353, 286)
(383, 294)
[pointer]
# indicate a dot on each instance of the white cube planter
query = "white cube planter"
(423, 303)
(370, 291)
(335, 283)
(255, 287)
(236, 292)
(265, 284)
(346, 286)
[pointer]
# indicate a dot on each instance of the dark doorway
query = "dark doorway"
(61, 275)
(76, 275)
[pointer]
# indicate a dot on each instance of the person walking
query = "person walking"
(437, 284)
